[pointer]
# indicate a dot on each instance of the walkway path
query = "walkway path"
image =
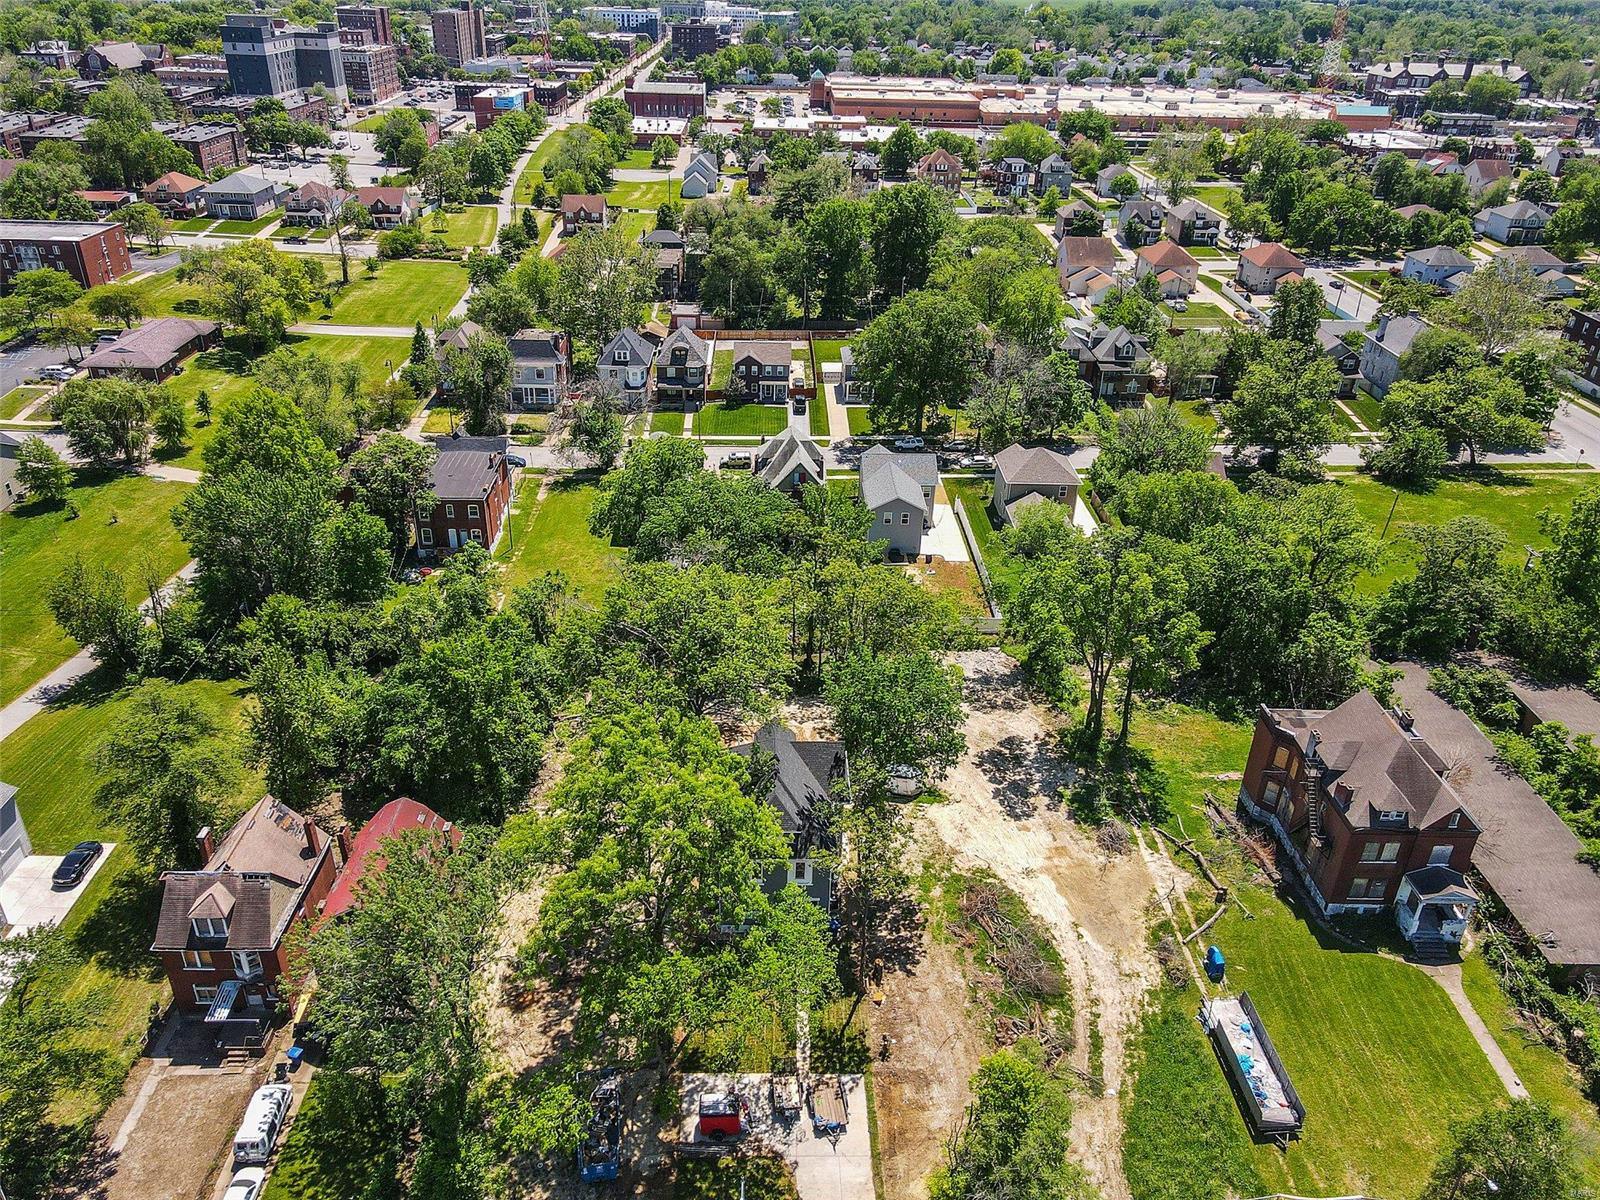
(1448, 976)
(358, 331)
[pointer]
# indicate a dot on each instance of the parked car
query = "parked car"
(1336, 284)
(977, 462)
(296, 240)
(263, 1119)
(905, 781)
(247, 1184)
(737, 458)
(76, 864)
(909, 442)
(516, 460)
(1180, 306)
(59, 373)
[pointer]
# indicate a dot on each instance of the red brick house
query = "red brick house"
(177, 195)
(221, 932)
(1359, 801)
(364, 857)
(472, 481)
(578, 211)
(941, 169)
(92, 252)
(390, 207)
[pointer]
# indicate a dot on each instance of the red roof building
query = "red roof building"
(365, 855)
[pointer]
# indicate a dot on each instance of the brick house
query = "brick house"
(153, 350)
(578, 211)
(220, 934)
(390, 207)
(313, 204)
(363, 857)
(472, 481)
(941, 169)
(1360, 803)
(177, 195)
(1583, 330)
(214, 146)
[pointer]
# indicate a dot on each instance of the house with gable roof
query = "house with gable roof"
(221, 929)
(803, 775)
(1265, 265)
(1027, 475)
(1175, 269)
(683, 368)
(789, 461)
(625, 363)
(898, 490)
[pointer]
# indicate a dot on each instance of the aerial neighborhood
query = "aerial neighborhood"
(799, 600)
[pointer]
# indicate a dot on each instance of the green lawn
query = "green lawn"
(1546, 1074)
(194, 225)
(634, 225)
(817, 416)
(533, 174)
(635, 160)
(123, 521)
(166, 295)
(225, 374)
(371, 125)
(17, 399)
(1197, 414)
(743, 420)
(1196, 751)
(721, 369)
(828, 349)
(667, 420)
(469, 227)
(1368, 407)
(553, 534)
(1214, 194)
(974, 497)
(1382, 1060)
(249, 227)
(311, 235)
(860, 418)
(1508, 499)
(1205, 252)
(647, 194)
(1371, 280)
(401, 293)
(50, 762)
(335, 1149)
(1199, 314)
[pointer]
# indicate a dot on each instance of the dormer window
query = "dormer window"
(622, 354)
(209, 927)
(1455, 820)
(1390, 817)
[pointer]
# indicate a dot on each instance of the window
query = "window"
(1380, 851)
(472, 510)
(449, 510)
(1455, 820)
(8, 814)
(800, 871)
(477, 535)
(1271, 792)
(905, 518)
(1362, 888)
(196, 960)
(246, 963)
(1280, 756)
(1439, 856)
(205, 995)
(425, 536)
(210, 926)
(888, 518)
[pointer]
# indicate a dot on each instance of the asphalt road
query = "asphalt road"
(17, 366)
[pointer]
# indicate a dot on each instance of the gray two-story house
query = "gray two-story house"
(625, 363)
(1054, 172)
(898, 490)
(683, 365)
(1190, 223)
(538, 368)
(1385, 346)
(802, 775)
(242, 197)
(1519, 223)
(1436, 265)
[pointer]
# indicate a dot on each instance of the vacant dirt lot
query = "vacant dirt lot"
(1004, 814)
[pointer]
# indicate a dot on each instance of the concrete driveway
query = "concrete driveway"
(28, 898)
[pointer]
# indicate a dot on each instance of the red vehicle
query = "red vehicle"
(722, 1116)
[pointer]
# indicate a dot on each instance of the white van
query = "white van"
(262, 1121)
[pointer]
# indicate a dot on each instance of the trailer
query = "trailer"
(600, 1155)
(1271, 1106)
(830, 1115)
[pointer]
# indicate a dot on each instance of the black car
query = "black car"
(76, 864)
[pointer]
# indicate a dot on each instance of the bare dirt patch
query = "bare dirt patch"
(183, 1136)
(1004, 814)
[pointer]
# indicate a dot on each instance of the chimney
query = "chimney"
(1466, 71)
(1405, 62)
(1383, 326)
(1505, 65)
(208, 844)
(343, 836)
(311, 835)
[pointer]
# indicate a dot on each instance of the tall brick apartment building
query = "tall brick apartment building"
(1359, 801)
(92, 252)
(220, 935)
(458, 34)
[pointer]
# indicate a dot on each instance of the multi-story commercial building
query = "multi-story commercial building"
(1583, 330)
(489, 105)
(372, 18)
(300, 106)
(649, 98)
(371, 70)
(691, 39)
(92, 252)
(1404, 85)
(212, 145)
(646, 21)
(458, 34)
(269, 57)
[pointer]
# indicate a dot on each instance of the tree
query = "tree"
(908, 224)
(1480, 410)
(1176, 161)
(165, 765)
(1297, 309)
(900, 149)
(43, 473)
(1033, 309)
(90, 603)
(1124, 186)
(834, 237)
(1283, 407)
(654, 817)
(339, 170)
(253, 287)
(171, 424)
(1024, 140)
(1520, 1151)
(480, 379)
(597, 429)
(352, 214)
(1113, 602)
(1454, 596)
(605, 281)
(1500, 307)
(145, 221)
(662, 153)
(393, 479)
(630, 494)
(1013, 1138)
(106, 420)
(116, 302)
(923, 354)
(898, 710)
(44, 292)
(1191, 361)
(1144, 441)
(1412, 457)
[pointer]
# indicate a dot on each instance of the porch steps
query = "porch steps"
(1432, 949)
(235, 1059)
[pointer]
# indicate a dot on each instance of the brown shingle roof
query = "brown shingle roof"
(1272, 254)
(1167, 255)
(151, 346)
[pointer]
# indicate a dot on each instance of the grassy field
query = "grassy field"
(1547, 1075)
(464, 229)
(1200, 314)
(1195, 751)
(974, 497)
(634, 225)
(553, 534)
(1368, 407)
(311, 235)
(533, 174)
(743, 420)
(1214, 194)
(1206, 252)
(166, 295)
(1508, 499)
(1197, 414)
(194, 224)
(123, 520)
(50, 761)
(249, 228)
(667, 420)
(817, 417)
(1371, 280)
(17, 399)
(370, 125)
(646, 194)
(1381, 1058)
(225, 374)
(401, 293)
(334, 1149)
